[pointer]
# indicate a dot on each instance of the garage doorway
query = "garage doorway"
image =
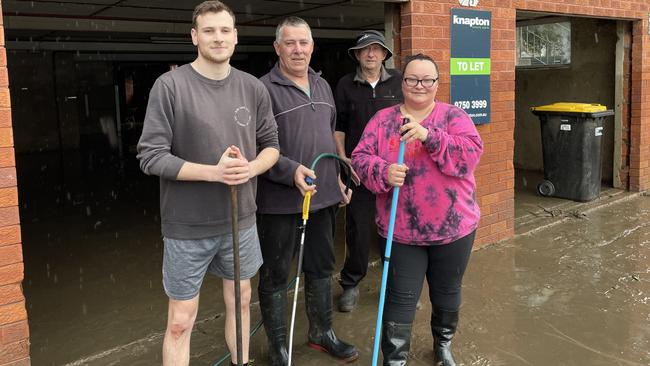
(569, 59)
(80, 74)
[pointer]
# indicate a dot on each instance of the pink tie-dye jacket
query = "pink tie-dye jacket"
(437, 203)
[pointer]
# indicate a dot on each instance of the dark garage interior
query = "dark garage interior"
(80, 74)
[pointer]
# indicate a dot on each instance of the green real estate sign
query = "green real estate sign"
(470, 64)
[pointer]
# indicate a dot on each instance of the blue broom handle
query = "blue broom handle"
(384, 276)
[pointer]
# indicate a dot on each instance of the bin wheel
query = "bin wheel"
(546, 188)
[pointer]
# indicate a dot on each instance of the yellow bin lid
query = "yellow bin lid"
(571, 107)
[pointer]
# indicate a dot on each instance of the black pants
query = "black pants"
(280, 239)
(360, 235)
(444, 267)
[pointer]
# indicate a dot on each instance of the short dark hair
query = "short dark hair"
(419, 57)
(212, 6)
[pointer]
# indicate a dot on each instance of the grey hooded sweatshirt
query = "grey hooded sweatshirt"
(195, 119)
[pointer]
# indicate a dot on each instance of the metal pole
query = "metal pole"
(389, 244)
(235, 250)
(305, 216)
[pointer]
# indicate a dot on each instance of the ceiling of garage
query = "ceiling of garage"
(168, 21)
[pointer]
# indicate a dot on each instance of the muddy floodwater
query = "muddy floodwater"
(573, 293)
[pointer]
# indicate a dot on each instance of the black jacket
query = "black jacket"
(357, 101)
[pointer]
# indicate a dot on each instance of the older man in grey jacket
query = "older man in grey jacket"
(303, 106)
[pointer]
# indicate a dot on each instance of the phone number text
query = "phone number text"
(471, 104)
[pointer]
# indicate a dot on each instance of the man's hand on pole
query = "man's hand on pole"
(299, 176)
(233, 168)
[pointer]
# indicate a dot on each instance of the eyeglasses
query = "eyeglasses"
(426, 83)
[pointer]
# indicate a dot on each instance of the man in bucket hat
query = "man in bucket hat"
(358, 96)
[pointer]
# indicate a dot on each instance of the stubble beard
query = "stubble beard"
(219, 60)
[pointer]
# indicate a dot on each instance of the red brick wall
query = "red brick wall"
(426, 28)
(624, 172)
(14, 332)
(640, 97)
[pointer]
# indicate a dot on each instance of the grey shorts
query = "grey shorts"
(185, 262)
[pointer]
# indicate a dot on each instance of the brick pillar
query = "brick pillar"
(624, 172)
(14, 331)
(640, 121)
(426, 28)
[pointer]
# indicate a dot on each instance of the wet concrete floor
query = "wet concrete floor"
(573, 293)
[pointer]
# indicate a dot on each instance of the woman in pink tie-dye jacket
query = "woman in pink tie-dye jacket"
(437, 214)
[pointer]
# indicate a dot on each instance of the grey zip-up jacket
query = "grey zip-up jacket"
(305, 130)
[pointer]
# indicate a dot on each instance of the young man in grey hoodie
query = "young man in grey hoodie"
(208, 126)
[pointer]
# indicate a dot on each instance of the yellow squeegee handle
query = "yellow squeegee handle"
(305, 205)
(307, 199)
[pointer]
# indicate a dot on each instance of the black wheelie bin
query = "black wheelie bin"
(571, 142)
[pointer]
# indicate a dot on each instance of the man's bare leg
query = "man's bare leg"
(180, 321)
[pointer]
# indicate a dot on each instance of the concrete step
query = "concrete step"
(552, 211)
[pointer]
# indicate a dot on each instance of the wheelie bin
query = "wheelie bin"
(572, 136)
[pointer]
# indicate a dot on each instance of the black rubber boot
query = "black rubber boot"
(274, 310)
(395, 343)
(349, 299)
(318, 298)
(443, 327)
